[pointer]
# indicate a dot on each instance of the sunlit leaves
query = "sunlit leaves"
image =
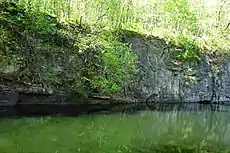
(180, 16)
(108, 62)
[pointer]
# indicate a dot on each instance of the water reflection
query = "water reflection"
(166, 128)
(187, 125)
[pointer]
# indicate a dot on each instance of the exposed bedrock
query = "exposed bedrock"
(159, 80)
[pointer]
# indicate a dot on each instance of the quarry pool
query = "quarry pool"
(141, 132)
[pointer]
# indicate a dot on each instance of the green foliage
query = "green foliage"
(183, 23)
(7, 47)
(190, 50)
(119, 61)
(166, 17)
(109, 63)
(100, 63)
(27, 20)
(180, 17)
(5, 38)
(105, 85)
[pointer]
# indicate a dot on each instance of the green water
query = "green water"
(144, 132)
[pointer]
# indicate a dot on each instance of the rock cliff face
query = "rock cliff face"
(158, 80)
(8, 96)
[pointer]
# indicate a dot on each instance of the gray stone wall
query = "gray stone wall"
(157, 81)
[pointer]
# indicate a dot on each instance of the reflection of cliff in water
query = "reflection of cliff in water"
(213, 126)
(188, 107)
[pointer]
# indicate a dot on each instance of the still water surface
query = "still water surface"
(141, 132)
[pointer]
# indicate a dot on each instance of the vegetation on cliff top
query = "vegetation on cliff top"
(74, 45)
